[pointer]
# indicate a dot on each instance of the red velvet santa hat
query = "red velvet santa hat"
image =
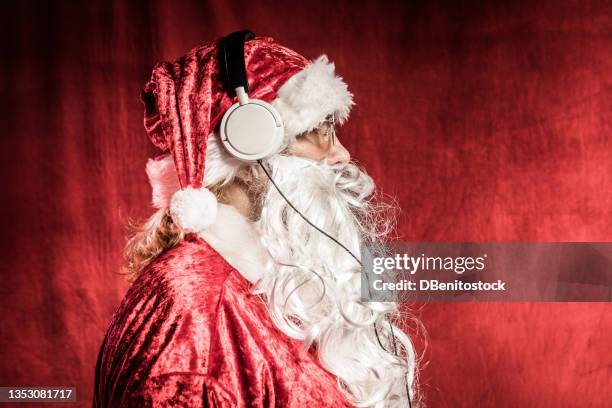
(186, 99)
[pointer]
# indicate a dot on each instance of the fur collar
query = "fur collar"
(236, 239)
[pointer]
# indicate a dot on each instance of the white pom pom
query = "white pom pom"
(193, 210)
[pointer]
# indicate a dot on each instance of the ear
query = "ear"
(245, 175)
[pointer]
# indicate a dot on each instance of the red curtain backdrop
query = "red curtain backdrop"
(487, 122)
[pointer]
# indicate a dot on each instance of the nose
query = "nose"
(338, 154)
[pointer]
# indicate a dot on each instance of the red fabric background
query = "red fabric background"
(488, 122)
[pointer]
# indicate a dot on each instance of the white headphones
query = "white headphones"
(251, 129)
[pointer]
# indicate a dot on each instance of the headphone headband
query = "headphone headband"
(232, 60)
(250, 129)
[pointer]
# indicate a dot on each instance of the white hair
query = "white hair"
(313, 285)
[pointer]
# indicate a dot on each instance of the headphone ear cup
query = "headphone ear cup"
(252, 131)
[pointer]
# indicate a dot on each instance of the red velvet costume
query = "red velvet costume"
(190, 333)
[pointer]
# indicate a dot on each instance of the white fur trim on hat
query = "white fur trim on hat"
(163, 179)
(193, 209)
(312, 94)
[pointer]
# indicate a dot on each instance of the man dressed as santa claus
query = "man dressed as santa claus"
(247, 280)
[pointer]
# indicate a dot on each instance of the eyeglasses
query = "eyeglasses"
(324, 135)
(329, 126)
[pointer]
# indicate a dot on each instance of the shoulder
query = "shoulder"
(186, 281)
(191, 268)
(166, 321)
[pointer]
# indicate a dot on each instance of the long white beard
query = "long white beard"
(313, 285)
